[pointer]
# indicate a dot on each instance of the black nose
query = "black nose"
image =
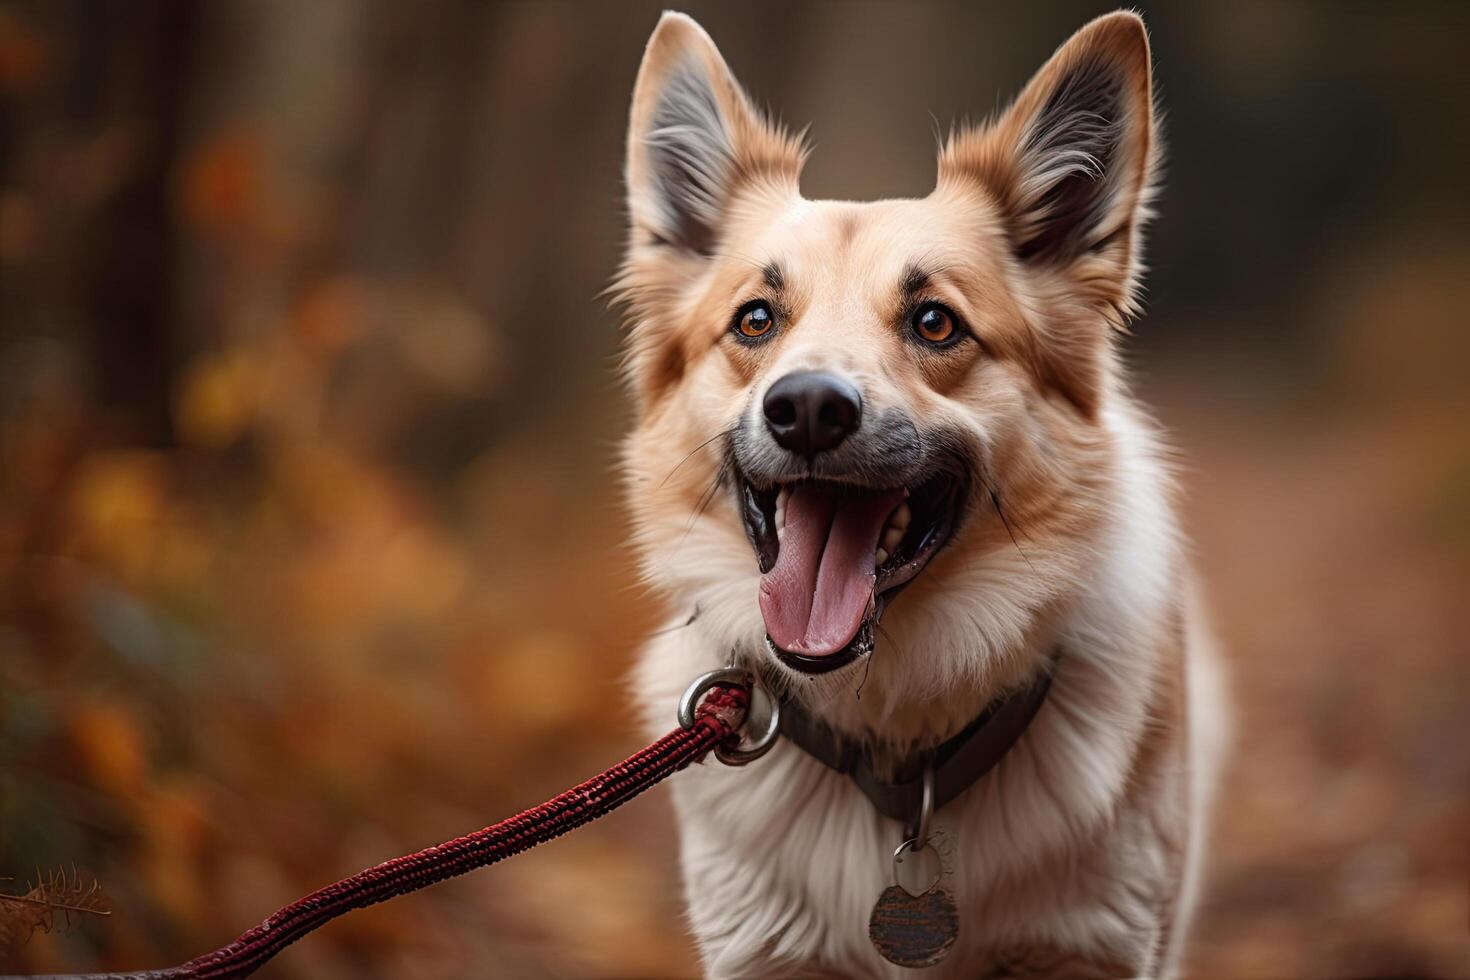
(811, 411)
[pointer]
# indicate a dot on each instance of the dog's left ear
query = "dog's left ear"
(1071, 159)
(1070, 165)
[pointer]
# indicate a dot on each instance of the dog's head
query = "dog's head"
(838, 401)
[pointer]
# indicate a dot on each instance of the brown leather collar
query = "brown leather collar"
(958, 763)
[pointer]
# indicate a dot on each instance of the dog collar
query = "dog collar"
(957, 763)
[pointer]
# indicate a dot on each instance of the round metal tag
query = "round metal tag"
(914, 930)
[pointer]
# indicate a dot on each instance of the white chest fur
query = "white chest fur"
(783, 859)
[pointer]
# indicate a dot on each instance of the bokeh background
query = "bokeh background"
(310, 548)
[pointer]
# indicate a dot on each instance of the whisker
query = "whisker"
(995, 499)
(749, 260)
(706, 498)
(886, 635)
(678, 626)
(688, 455)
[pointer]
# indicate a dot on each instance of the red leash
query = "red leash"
(715, 726)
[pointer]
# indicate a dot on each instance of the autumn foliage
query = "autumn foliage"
(310, 548)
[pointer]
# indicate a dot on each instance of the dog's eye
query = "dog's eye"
(935, 324)
(754, 320)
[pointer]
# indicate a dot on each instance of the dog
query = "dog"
(886, 460)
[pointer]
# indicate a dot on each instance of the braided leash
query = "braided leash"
(714, 725)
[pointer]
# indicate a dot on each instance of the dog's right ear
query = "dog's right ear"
(696, 149)
(694, 141)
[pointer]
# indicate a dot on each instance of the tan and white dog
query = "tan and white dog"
(837, 401)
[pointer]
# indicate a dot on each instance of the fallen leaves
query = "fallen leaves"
(55, 899)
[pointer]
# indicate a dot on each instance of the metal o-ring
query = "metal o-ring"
(916, 847)
(736, 677)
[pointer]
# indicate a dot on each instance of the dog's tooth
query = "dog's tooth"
(891, 537)
(901, 517)
(879, 557)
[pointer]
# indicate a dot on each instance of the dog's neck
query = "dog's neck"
(893, 725)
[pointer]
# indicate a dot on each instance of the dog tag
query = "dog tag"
(913, 930)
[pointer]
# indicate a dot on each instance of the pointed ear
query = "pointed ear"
(693, 141)
(1071, 161)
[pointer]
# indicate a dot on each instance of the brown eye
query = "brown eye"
(935, 324)
(754, 320)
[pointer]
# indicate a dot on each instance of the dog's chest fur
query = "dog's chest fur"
(1073, 857)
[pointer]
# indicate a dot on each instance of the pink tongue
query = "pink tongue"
(815, 597)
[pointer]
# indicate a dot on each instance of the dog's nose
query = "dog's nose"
(812, 411)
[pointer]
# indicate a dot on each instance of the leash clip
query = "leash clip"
(734, 677)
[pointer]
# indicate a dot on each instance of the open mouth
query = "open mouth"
(833, 555)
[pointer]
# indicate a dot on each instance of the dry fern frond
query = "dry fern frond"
(55, 897)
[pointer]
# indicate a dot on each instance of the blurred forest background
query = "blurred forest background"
(309, 549)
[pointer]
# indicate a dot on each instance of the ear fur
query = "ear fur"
(1070, 165)
(695, 146)
(694, 139)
